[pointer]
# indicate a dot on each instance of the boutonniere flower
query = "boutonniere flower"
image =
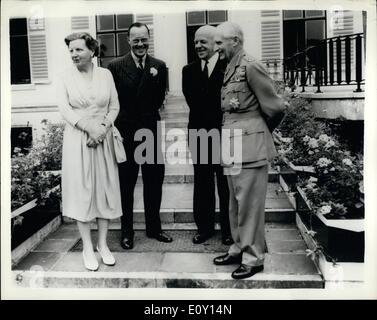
(240, 74)
(153, 71)
(234, 103)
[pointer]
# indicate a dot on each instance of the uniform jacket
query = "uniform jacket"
(140, 93)
(249, 102)
(203, 95)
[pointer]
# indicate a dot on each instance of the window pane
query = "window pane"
(21, 137)
(315, 31)
(105, 23)
(122, 44)
(196, 18)
(104, 62)
(19, 52)
(17, 27)
(292, 14)
(107, 45)
(216, 17)
(314, 13)
(124, 21)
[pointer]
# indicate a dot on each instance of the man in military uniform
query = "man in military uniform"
(250, 103)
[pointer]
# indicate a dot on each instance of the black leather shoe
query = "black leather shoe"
(227, 240)
(162, 237)
(201, 237)
(227, 259)
(244, 271)
(127, 243)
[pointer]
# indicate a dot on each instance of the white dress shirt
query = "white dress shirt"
(211, 63)
(136, 59)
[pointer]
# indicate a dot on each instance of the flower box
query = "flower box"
(341, 239)
(32, 217)
(299, 168)
(26, 207)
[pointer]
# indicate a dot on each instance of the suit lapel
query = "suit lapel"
(217, 70)
(130, 69)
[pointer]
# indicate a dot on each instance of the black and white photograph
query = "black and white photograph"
(188, 150)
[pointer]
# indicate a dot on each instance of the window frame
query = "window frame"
(114, 32)
(29, 84)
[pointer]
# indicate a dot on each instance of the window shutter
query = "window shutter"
(148, 20)
(271, 41)
(80, 23)
(344, 27)
(38, 50)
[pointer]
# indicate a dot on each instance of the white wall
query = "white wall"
(170, 46)
(250, 22)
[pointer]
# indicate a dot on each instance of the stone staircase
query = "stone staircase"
(179, 264)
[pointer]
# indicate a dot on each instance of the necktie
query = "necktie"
(205, 69)
(141, 64)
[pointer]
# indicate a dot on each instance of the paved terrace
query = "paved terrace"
(179, 264)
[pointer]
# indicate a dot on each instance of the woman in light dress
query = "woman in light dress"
(88, 101)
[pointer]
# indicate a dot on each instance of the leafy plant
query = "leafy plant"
(29, 176)
(335, 189)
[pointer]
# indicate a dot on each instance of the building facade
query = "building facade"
(38, 52)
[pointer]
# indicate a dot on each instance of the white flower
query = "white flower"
(234, 103)
(313, 143)
(306, 138)
(313, 179)
(310, 152)
(153, 71)
(347, 162)
(324, 138)
(324, 209)
(323, 162)
(329, 144)
(286, 140)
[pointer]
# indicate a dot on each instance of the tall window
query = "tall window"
(19, 51)
(196, 19)
(112, 36)
(302, 29)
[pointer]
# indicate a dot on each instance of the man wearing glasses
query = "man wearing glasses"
(141, 83)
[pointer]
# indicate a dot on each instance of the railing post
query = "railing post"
(324, 53)
(302, 75)
(331, 61)
(338, 60)
(358, 63)
(318, 69)
(348, 59)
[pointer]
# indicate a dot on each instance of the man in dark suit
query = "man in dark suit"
(201, 84)
(141, 83)
(250, 105)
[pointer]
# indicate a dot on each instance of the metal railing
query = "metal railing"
(332, 62)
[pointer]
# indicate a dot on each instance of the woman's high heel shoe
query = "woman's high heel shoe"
(107, 257)
(90, 264)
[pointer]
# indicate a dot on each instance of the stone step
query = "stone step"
(176, 206)
(184, 173)
(153, 264)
